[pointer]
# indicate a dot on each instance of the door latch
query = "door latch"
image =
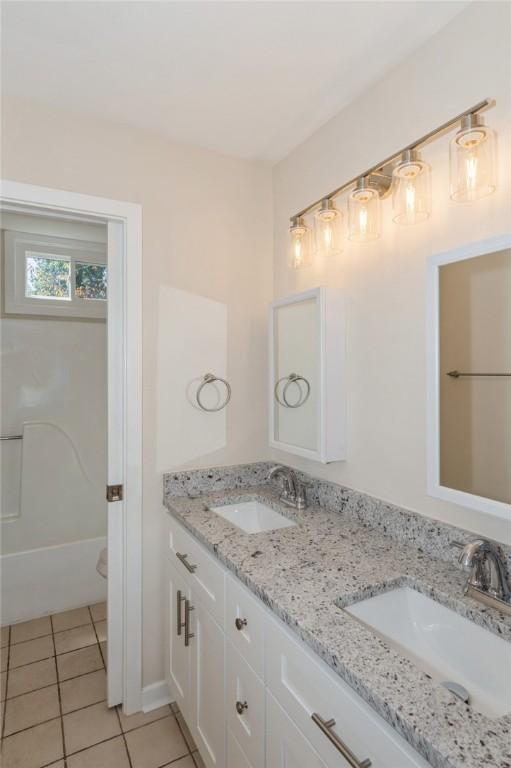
(114, 492)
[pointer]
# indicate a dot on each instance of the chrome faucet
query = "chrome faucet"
(487, 580)
(294, 493)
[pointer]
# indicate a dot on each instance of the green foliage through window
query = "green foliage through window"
(91, 281)
(47, 277)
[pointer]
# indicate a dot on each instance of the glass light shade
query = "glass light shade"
(364, 213)
(299, 250)
(411, 189)
(328, 230)
(472, 160)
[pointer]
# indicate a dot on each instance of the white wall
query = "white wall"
(385, 281)
(206, 232)
(53, 391)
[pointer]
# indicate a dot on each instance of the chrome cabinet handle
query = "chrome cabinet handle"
(240, 623)
(189, 567)
(326, 727)
(188, 635)
(241, 706)
(179, 599)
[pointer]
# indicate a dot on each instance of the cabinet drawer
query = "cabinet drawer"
(236, 758)
(286, 746)
(205, 576)
(305, 686)
(244, 624)
(245, 707)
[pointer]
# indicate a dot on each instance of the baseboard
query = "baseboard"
(51, 579)
(156, 695)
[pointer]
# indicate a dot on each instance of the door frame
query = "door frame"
(124, 223)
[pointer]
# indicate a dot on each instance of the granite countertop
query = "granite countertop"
(306, 573)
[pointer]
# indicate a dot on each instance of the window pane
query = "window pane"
(47, 277)
(91, 281)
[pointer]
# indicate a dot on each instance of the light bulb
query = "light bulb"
(364, 212)
(411, 189)
(472, 160)
(328, 230)
(299, 250)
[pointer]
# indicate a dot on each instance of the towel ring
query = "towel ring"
(293, 378)
(210, 378)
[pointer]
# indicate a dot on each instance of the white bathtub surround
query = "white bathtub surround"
(47, 580)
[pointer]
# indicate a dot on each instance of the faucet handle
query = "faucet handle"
(456, 545)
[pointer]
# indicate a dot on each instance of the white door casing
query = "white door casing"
(124, 221)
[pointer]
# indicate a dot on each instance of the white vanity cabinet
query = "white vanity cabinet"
(286, 746)
(252, 694)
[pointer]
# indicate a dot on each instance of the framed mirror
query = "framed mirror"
(469, 376)
(307, 375)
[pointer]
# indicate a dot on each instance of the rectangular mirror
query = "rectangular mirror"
(307, 375)
(470, 376)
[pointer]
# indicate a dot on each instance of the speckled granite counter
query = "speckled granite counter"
(305, 574)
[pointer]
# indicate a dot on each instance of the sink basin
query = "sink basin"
(443, 644)
(253, 516)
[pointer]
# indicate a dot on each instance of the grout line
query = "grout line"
(7, 669)
(182, 731)
(58, 692)
(123, 736)
(34, 725)
(99, 644)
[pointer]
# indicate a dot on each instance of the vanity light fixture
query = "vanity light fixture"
(300, 250)
(473, 175)
(328, 230)
(411, 188)
(364, 208)
(472, 160)
(364, 212)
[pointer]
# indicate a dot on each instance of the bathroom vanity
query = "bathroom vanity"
(267, 666)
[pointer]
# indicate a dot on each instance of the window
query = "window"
(54, 276)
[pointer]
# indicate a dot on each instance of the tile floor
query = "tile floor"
(53, 708)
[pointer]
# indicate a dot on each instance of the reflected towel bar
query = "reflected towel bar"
(11, 437)
(457, 374)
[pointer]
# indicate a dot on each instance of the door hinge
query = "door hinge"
(114, 492)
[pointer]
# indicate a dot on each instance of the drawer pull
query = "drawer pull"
(326, 727)
(240, 623)
(179, 599)
(188, 635)
(241, 706)
(189, 567)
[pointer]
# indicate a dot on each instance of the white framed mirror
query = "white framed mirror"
(469, 376)
(307, 375)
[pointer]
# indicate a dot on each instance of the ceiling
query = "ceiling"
(251, 79)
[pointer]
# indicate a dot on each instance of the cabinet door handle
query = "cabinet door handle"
(241, 706)
(189, 567)
(326, 727)
(240, 623)
(188, 635)
(179, 599)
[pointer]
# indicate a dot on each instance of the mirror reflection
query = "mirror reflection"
(296, 373)
(475, 375)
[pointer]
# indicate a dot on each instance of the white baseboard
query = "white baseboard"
(52, 579)
(156, 695)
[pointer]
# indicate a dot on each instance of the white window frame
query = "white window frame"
(17, 245)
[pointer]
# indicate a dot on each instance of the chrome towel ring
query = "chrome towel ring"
(210, 378)
(293, 378)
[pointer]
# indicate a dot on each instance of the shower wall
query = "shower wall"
(53, 509)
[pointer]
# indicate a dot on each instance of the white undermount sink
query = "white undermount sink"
(253, 516)
(443, 644)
